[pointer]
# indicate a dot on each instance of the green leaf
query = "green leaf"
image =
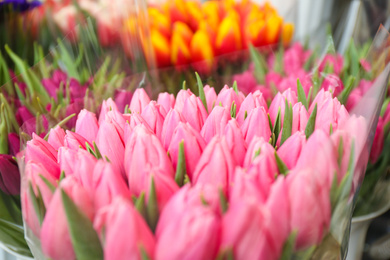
(140, 205)
(202, 95)
(60, 124)
(355, 62)
(278, 66)
(235, 87)
(311, 123)
(277, 126)
(85, 240)
(223, 201)
(184, 85)
(283, 169)
(68, 61)
(260, 70)
(51, 187)
(181, 166)
(346, 189)
(301, 95)
(97, 151)
(343, 96)
(12, 236)
(62, 176)
(309, 62)
(384, 106)
(233, 110)
(144, 255)
(340, 152)
(246, 114)
(330, 129)
(288, 247)
(37, 202)
(287, 122)
(152, 207)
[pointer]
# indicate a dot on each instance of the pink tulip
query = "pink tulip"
(246, 81)
(279, 102)
(139, 101)
(56, 137)
(108, 105)
(279, 206)
(75, 141)
(194, 112)
(87, 125)
(194, 145)
(108, 184)
(290, 82)
(216, 165)
(245, 186)
(320, 98)
(256, 124)
(273, 78)
(33, 173)
(308, 205)
(335, 61)
(318, 155)
(66, 159)
(211, 97)
(83, 170)
(333, 84)
(124, 231)
(353, 99)
(293, 59)
(186, 198)
(137, 119)
(187, 233)
(215, 123)
(41, 151)
(166, 100)
(330, 112)
(171, 121)
(250, 102)
(235, 141)
(300, 118)
(154, 115)
(111, 144)
(291, 149)
(57, 245)
(144, 152)
(122, 98)
(257, 145)
(227, 96)
(245, 231)
(9, 175)
(181, 98)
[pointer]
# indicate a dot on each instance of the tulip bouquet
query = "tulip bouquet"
(199, 177)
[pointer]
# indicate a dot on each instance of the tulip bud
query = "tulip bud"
(194, 112)
(181, 98)
(300, 118)
(139, 101)
(58, 245)
(166, 100)
(251, 101)
(75, 141)
(87, 125)
(108, 184)
(56, 137)
(291, 149)
(9, 175)
(215, 123)
(330, 112)
(84, 165)
(171, 121)
(202, 52)
(235, 141)
(191, 242)
(122, 98)
(245, 186)
(13, 144)
(111, 145)
(335, 61)
(256, 124)
(279, 102)
(41, 151)
(144, 152)
(211, 97)
(107, 106)
(194, 145)
(34, 172)
(216, 165)
(161, 48)
(333, 84)
(227, 96)
(309, 204)
(154, 115)
(125, 232)
(229, 34)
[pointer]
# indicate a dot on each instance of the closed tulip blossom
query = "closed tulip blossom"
(154, 115)
(75, 141)
(142, 153)
(256, 124)
(211, 97)
(87, 125)
(124, 231)
(58, 245)
(194, 112)
(215, 123)
(139, 101)
(194, 145)
(166, 100)
(227, 96)
(250, 102)
(181, 98)
(290, 150)
(171, 121)
(56, 137)
(235, 140)
(9, 175)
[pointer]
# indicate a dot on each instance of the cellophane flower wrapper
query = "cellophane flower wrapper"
(334, 240)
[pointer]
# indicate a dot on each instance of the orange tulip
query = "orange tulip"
(202, 52)
(178, 11)
(287, 33)
(210, 11)
(273, 29)
(180, 51)
(195, 15)
(184, 31)
(160, 45)
(254, 33)
(159, 21)
(228, 35)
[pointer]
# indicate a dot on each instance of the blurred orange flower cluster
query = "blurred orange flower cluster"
(189, 32)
